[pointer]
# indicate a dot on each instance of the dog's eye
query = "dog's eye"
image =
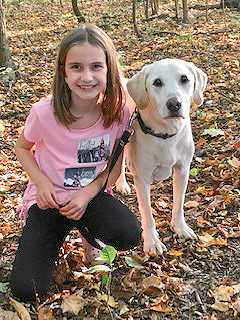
(184, 79)
(158, 83)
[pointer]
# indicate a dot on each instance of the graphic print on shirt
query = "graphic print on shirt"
(88, 151)
(79, 177)
(94, 150)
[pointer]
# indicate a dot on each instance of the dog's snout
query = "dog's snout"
(174, 104)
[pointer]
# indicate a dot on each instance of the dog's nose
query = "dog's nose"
(174, 104)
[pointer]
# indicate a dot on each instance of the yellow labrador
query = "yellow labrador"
(162, 144)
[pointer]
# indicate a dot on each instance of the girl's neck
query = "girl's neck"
(87, 115)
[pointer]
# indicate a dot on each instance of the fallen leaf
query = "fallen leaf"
(175, 253)
(208, 240)
(236, 304)
(220, 306)
(234, 162)
(74, 303)
(223, 293)
(45, 313)
(191, 204)
(8, 315)
(124, 309)
(20, 309)
(109, 299)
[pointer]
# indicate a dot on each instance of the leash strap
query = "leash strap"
(123, 141)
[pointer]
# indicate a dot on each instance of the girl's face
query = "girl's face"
(85, 72)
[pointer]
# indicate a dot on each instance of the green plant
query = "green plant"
(108, 254)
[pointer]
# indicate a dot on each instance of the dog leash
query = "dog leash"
(128, 132)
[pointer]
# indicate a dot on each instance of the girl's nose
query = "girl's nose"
(87, 75)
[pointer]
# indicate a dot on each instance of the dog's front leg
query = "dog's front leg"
(152, 244)
(180, 180)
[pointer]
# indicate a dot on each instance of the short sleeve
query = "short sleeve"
(32, 130)
(124, 123)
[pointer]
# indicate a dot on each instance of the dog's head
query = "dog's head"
(170, 85)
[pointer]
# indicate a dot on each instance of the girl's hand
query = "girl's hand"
(75, 205)
(46, 195)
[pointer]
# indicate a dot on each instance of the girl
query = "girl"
(86, 107)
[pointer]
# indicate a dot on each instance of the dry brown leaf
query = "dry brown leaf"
(202, 223)
(3, 156)
(109, 299)
(236, 304)
(8, 315)
(191, 204)
(220, 306)
(223, 293)
(20, 309)
(176, 253)
(152, 281)
(234, 162)
(207, 240)
(74, 303)
(45, 313)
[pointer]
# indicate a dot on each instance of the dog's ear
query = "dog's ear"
(200, 83)
(137, 88)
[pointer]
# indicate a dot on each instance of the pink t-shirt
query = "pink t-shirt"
(70, 158)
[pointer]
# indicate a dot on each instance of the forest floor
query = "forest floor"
(193, 279)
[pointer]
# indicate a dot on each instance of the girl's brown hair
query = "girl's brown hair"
(112, 101)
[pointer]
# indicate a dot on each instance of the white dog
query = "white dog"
(162, 144)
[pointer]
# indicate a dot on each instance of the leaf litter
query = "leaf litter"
(192, 280)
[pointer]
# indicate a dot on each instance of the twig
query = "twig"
(222, 94)
(200, 301)
(194, 34)
(109, 292)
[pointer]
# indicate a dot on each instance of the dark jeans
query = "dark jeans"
(42, 238)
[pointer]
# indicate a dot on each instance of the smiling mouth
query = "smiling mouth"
(87, 86)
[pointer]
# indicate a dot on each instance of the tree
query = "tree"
(77, 12)
(5, 55)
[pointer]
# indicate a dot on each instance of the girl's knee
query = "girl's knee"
(25, 289)
(128, 238)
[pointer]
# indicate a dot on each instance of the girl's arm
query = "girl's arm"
(46, 196)
(75, 205)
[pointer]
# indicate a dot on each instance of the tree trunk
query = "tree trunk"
(185, 11)
(77, 11)
(138, 33)
(177, 9)
(5, 55)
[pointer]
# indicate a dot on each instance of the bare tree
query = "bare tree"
(5, 55)
(137, 31)
(185, 11)
(77, 12)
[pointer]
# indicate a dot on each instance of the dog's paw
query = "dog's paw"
(182, 229)
(152, 244)
(122, 186)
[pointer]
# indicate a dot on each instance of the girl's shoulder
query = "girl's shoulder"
(43, 108)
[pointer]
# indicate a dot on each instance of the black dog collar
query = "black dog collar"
(150, 131)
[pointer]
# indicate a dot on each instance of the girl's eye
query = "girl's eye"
(96, 66)
(76, 66)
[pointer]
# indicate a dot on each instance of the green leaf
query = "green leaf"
(105, 279)
(194, 172)
(108, 254)
(99, 268)
(4, 287)
(213, 132)
(133, 263)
